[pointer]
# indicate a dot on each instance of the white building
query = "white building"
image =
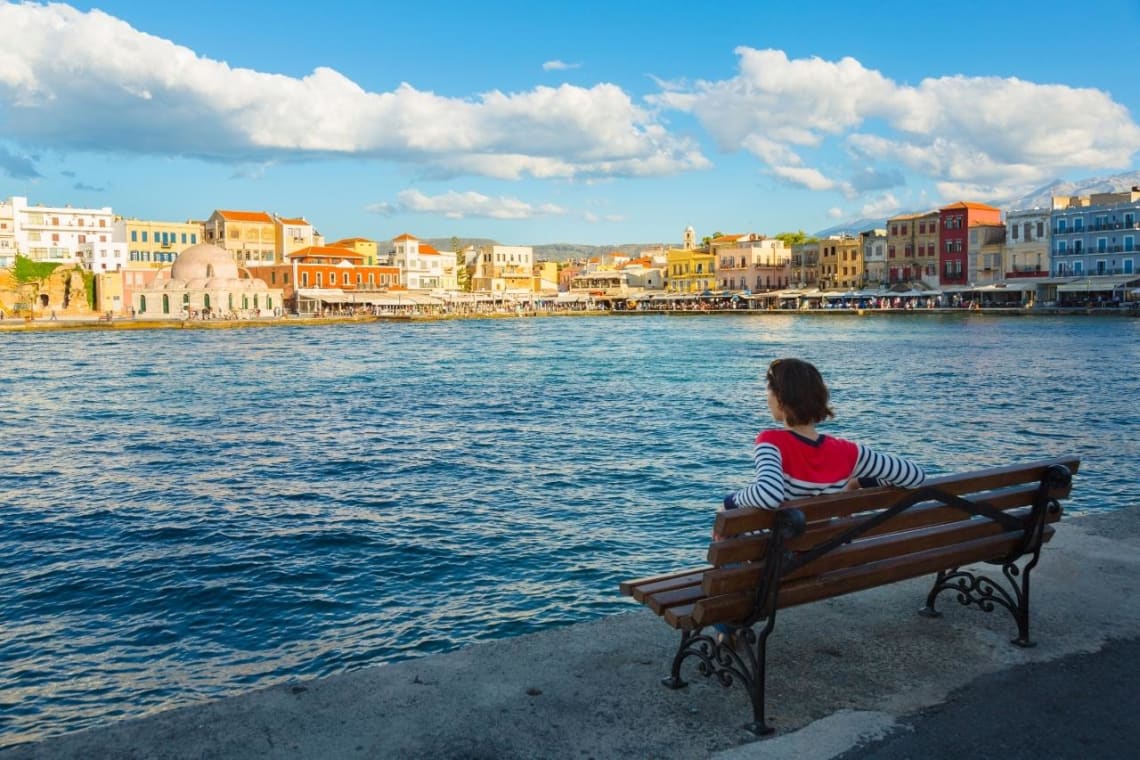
(1027, 243)
(52, 233)
(421, 266)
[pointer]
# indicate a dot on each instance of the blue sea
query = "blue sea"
(189, 514)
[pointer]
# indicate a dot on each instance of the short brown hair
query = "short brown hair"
(800, 391)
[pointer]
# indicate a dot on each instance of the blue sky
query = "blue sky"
(585, 122)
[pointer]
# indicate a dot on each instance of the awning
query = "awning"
(1099, 284)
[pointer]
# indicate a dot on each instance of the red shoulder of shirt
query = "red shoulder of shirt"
(828, 460)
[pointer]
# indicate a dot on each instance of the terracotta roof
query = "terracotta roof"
(970, 204)
(350, 241)
(246, 216)
(301, 220)
(405, 236)
(428, 250)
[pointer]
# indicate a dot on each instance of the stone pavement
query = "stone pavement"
(862, 675)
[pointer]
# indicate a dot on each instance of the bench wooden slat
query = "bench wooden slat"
(751, 548)
(680, 617)
(642, 587)
(734, 522)
(734, 607)
(864, 550)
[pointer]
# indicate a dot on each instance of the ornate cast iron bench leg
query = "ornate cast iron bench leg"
(984, 593)
(741, 656)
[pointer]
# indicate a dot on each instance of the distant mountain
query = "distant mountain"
(854, 228)
(1042, 197)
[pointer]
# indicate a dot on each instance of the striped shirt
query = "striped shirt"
(789, 466)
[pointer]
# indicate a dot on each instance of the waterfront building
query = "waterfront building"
(805, 264)
(545, 275)
(1027, 242)
(421, 266)
(204, 280)
(840, 263)
(644, 275)
(954, 226)
(153, 244)
(54, 233)
(7, 235)
(912, 248)
(249, 236)
(986, 242)
(690, 270)
(567, 273)
(602, 282)
(322, 277)
(753, 263)
(954, 223)
(291, 235)
(1096, 234)
(503, 270)
(365, 247)
(874, 244)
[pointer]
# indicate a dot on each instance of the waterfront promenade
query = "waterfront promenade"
(12, 324)
(841, 673)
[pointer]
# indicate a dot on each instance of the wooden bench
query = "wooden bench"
(827, 546)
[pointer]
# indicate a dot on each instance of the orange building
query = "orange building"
(326, 273)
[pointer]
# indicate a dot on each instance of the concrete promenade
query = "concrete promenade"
(860, 676)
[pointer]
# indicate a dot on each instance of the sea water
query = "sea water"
(189, 514)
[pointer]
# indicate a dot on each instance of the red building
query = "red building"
(954, 238)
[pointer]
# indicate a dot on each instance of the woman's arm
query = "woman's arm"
(767, 490)
(887, 469)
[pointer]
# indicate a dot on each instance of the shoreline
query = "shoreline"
(11, 324)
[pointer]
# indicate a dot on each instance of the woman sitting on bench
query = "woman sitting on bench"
(796, 461)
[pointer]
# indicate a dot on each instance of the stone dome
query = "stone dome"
(204, 262)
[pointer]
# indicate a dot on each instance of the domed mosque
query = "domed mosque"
(205, 281)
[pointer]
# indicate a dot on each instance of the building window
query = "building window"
(304, 279)
(134, 236)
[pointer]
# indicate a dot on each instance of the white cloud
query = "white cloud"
(124, 90)
(835, 212)
(456, 205)
(1000, 135)
(812, 179)
(557, 65)
(883, 204)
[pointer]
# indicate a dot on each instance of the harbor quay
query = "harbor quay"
(850, 677)
(126, 323)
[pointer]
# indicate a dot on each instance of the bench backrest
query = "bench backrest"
(832, 545)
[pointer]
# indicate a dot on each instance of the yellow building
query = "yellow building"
(365, 247)
(689, 270)
(546, 277)
(153, 244)
(503, 269)
(290, 235)
(840, 263)
(249, 236)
